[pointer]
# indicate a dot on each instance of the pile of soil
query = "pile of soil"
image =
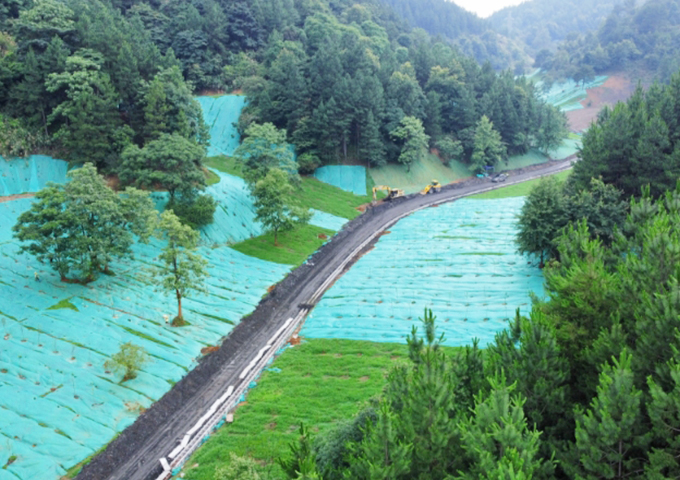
(617, 88)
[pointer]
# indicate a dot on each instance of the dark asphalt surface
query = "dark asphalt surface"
(135, 454)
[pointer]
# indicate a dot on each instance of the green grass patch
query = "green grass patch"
(519, 190)
(65, 303)
(211, 178)
(321, 383)
(421, 174)
(313, 193)
(294, 246)
(532, 157)
(224, 164)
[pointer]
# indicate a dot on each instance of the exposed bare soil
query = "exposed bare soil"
(617, 88)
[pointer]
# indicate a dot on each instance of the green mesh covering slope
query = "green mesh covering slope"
(235, 214)
(349, 178)
(459, 259)
(24, 175)
(567, 95)
(221, 115)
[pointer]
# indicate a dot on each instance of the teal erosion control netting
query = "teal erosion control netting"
(346, 177)
(235, 213)
(221, 115)
(567, 95)
(458, 259)
(27, 175)
(58, 401)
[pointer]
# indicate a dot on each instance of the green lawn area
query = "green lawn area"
(211, 178)
(224, 164)
(519, 190)
(294, 246)
(327, 198)
(321, 382)
(421, 174)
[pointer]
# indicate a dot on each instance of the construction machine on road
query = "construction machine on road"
(391, 192)
(434, 187)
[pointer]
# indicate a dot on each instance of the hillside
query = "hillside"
(640, 40)
(474, 36)
(541, 24)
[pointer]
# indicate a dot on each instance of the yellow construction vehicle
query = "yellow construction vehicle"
(434, 187)
(391, 192)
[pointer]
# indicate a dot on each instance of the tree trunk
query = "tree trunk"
(179, 304)
(44, 119)
(276, 238)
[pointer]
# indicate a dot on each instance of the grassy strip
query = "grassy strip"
(311, 194)
(293, 249)
(321, 383)
(327, 198)
(519, 190)
(211, 178)
(65, 303)
(224, 164)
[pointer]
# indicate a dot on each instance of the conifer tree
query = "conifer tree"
(608, 434)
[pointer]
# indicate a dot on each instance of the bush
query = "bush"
(17, 141)
(129, 359)
(308, 163)
(196, 213)
(239, 468)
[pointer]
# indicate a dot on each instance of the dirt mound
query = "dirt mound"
(617, 88)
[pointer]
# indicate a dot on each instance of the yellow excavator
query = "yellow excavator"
(391, 192)
(434, 187)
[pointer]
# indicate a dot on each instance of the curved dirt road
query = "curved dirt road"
(135, 454)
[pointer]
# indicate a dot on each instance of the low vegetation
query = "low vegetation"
(520, 190)
(129, 360)
(320, 382)
(293, 247)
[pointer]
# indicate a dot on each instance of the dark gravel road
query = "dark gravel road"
(135, 454)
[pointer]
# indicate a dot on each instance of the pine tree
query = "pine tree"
(608, 434)
(496, 439)
(381, 454)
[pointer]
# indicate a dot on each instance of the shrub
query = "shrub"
(239, 468)
(129, 359)
(308, 163)
(196, 213)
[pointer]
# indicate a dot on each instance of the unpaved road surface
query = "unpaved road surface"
(135, 454)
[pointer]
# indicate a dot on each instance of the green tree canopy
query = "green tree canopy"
(172, 162)
(414, 141)
(182, 269)
(488, 146)
(82, 225)
(265, 147)
(274, 206)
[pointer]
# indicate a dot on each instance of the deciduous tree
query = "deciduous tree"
(182, 270)
(172, 162)
(413, 140)
(274, 206)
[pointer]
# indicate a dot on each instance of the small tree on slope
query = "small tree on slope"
(182, 270)
(273, 204)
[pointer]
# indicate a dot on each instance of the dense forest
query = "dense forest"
(642, 38)
(474, 36)
(541, 24)
(93, 80)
